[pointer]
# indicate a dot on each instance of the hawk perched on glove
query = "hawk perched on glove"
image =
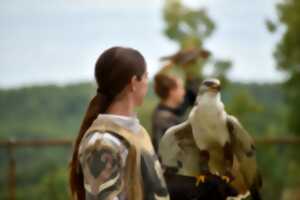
(211, 141)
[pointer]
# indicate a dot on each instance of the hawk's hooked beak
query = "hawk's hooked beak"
(215, 87)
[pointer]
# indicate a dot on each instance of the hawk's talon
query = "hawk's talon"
(216, 173)
(201, 179)
(225, 178)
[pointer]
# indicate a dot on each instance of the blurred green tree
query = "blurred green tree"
(242, 102)
(189, 28)
(287, 55)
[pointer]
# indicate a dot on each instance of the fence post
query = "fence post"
(12, 170)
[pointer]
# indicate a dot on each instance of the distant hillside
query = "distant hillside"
(56, 111)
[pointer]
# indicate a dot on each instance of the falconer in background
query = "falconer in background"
(175, 96)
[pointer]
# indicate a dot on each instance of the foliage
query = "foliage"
(190, 28)
(287, 56)
(187, 26)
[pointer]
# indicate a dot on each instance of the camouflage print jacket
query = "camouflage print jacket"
(118, 162)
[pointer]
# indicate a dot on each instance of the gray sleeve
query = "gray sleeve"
(103, 158)
(161, 121)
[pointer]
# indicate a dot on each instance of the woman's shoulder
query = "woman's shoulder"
(102, 158)
(102, 141)
(107, 137)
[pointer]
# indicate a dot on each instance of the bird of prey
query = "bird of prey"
(211, 141)
(187, 56)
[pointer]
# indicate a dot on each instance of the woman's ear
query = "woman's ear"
(132, 84)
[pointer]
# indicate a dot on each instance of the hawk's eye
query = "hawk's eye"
(209, 83)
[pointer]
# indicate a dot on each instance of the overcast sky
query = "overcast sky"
(58, 41)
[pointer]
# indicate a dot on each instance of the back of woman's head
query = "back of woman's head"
(114, 70)
(163, 84)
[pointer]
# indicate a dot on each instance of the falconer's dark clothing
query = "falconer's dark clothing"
(164, 117)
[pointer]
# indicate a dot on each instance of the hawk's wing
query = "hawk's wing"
(244, 150)
(177, 149)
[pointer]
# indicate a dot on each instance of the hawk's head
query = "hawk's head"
(211, 86)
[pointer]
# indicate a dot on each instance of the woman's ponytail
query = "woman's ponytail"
(113, 71)
(97, 105)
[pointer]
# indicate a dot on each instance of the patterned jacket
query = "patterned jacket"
(119, 164)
